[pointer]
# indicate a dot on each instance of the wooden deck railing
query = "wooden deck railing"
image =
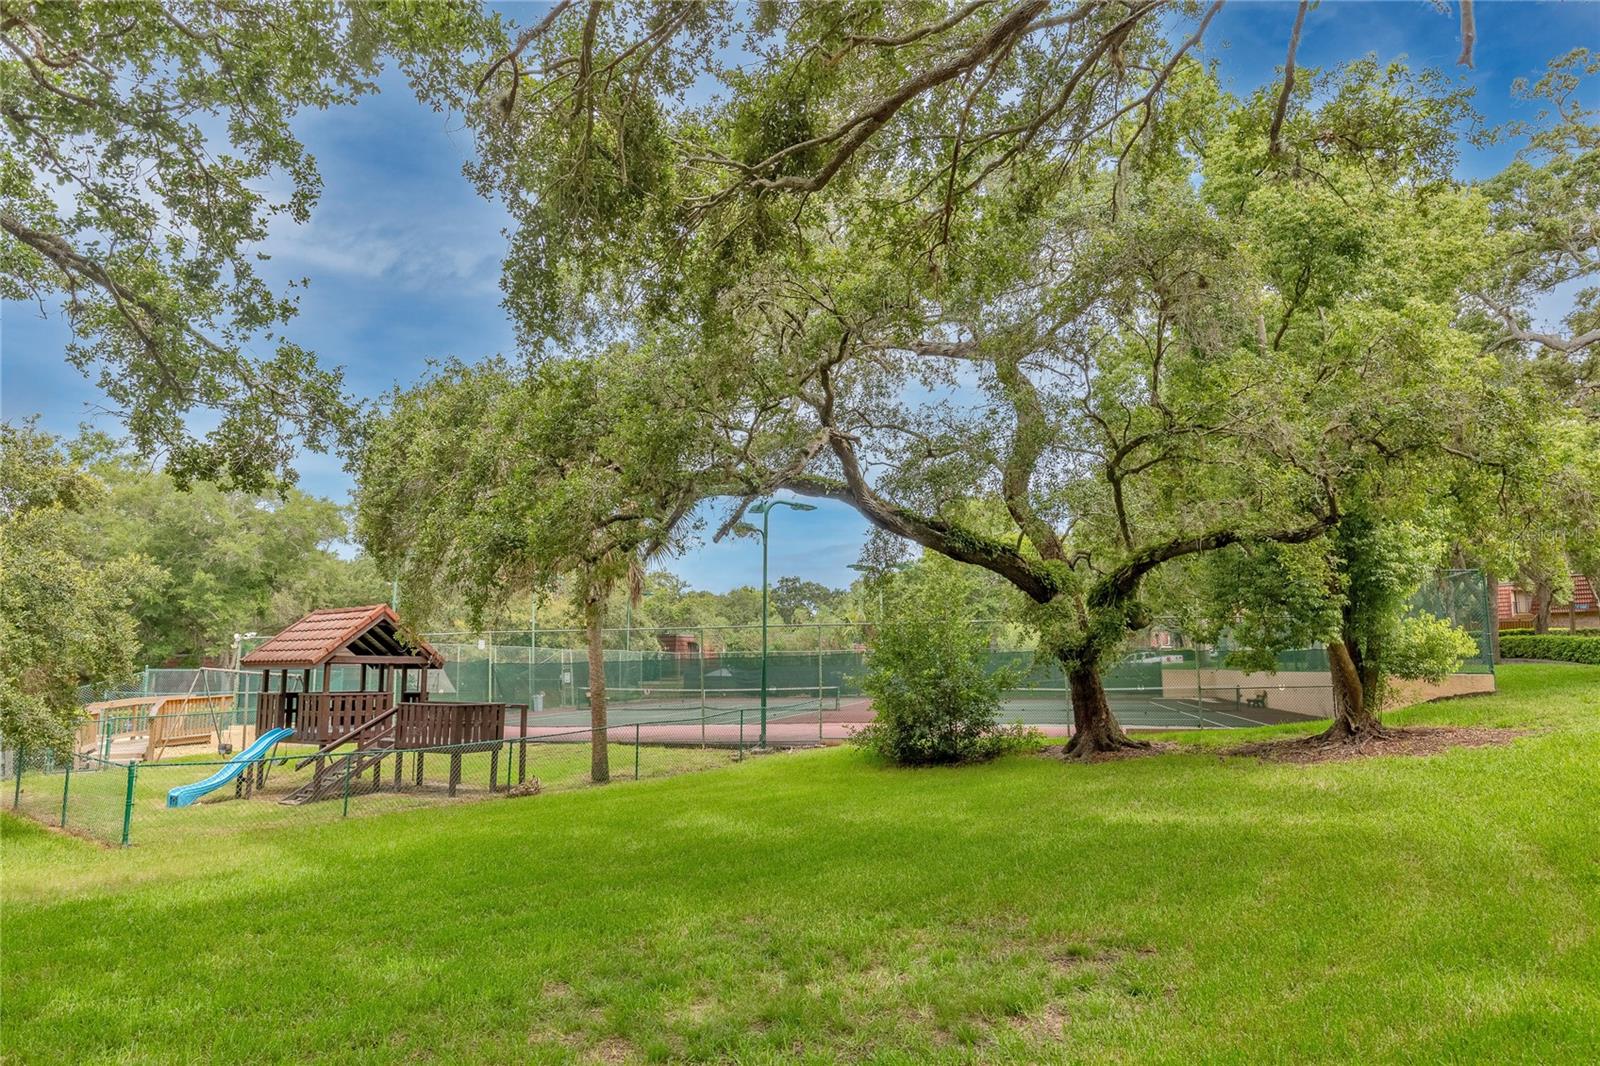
(434, 725)
(167, 722)
(322, 717)
(318, 717)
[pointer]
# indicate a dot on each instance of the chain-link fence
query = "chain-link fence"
(153, 803)
(680, 699)
(1463, 597)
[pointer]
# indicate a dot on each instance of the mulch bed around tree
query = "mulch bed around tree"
(1417, 740)
(1157, 747)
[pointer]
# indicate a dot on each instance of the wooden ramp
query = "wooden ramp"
(164, 721)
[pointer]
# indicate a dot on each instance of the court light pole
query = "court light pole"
(765, 509)
(871, 572)
(878, 575)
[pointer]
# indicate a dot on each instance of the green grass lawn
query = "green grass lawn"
(816, 906)
(98, 798)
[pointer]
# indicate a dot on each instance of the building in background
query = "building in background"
(1516, 607)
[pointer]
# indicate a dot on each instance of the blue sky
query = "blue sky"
(403, 256)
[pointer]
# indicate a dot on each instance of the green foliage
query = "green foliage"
(1530, 633)
(1261, 600)
(795, 599)
(934, 700)
(1546, 246)
(1564, 646)
(65, 614)
(486, 480)
(230, 561)
(148, 152)
(1423, 647)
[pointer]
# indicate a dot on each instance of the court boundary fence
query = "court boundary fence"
(111, 800)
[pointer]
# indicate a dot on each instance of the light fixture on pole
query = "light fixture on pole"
(877, 575)
(765, 509)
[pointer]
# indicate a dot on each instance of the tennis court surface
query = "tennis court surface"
(733, 717)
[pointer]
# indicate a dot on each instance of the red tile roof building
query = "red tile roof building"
(1515, 606)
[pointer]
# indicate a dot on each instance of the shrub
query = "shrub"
(1427, 648)
(1554, 633)
(1551, 646)
(934, 700)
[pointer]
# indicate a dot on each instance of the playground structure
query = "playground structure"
(246, 760)
(161, 722)
(383, 718)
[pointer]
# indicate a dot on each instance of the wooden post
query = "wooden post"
(363, 677)
(422, 683)
(327, 677)
(419, 769)
(399, 765)
(455, 771)
(494, 769)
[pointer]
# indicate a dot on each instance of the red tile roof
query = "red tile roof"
(1584, 594)
(321, 635)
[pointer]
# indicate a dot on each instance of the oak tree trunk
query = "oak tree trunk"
(1094, 730)
(1543, 594)
(1354, 715)
(599, 748)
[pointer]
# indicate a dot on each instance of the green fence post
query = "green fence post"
(636, 751)
(66, 787)
(16, 790)
(741, 732)
(127, 803)
(348, 763)
(819, 680)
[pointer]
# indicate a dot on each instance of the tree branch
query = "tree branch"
(1469, 35)
(1275, 134)
(863, 124)
(1124, 580)
(525, 38)
(930, 532)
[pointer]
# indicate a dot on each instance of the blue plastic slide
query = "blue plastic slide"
(184, 795)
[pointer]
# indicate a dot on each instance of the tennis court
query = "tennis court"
(1154, 708)
(633, 706)
(797, 716)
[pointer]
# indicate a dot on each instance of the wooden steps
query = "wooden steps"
(329, 779)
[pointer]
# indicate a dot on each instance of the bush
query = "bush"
(934, 700)
(1427, 648)
(1552, 646)
(1558, 632)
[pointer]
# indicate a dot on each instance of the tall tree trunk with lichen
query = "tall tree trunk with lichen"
(1094, 729)
(1356, 692)
(594, 618)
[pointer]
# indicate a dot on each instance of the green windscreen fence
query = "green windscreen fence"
(1462, 597)
(551, 667)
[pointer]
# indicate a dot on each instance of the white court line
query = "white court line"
(1239, 717)
(1180, 710)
